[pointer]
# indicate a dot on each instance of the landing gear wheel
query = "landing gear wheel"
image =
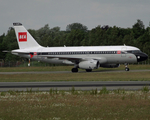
(127, 69)
(88, 70)
(74, 70)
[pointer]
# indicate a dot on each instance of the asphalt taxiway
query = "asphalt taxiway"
(50, 72)
(86, 85)
(82, 85)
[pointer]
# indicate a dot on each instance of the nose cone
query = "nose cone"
(141, 57)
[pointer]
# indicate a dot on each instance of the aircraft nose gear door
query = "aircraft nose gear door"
(123, 49)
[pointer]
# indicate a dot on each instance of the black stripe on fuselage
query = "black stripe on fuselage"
(79, 52)
(86, 52)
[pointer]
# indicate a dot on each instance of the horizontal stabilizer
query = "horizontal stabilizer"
(20, 51)
(6, 51)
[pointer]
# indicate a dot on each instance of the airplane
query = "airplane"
(83, 57)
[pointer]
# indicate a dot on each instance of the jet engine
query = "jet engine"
(109, 65)
(89, 64)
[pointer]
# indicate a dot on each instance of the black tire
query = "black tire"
(74, 70)
(88, 70)
(127, 69)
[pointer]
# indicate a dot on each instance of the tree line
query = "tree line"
(77, 34)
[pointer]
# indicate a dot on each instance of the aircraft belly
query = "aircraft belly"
(109, 58)
(43, 59)
(53, 61)
(128, 58)
(24, 55)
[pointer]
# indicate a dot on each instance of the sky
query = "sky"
(34, 14)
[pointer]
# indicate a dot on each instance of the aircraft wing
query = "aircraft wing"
(79, 59)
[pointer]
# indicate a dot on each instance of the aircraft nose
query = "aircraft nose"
(141, 57)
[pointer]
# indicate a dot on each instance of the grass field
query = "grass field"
(95, 76)
(86, 76)
(75, 105)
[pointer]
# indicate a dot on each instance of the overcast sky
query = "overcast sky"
(34, 14)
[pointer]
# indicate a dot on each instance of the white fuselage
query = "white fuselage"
(105, 54)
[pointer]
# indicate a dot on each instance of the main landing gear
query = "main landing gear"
(74, 69)
(88, 70)
(126, 67)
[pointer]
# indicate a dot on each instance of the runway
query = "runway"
(51, 72)
(92, 85)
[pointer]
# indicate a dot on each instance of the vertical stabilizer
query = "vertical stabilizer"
(24, 38)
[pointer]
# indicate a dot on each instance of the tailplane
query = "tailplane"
(24, 38)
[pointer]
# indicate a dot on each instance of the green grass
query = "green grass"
(94, 76)
(73, 105)
(86, 76)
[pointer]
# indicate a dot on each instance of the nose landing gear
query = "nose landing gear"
(126, 67)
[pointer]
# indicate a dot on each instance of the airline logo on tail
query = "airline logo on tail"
(22, 36)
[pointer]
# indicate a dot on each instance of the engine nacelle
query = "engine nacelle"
(89, 64)
(109, 65)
